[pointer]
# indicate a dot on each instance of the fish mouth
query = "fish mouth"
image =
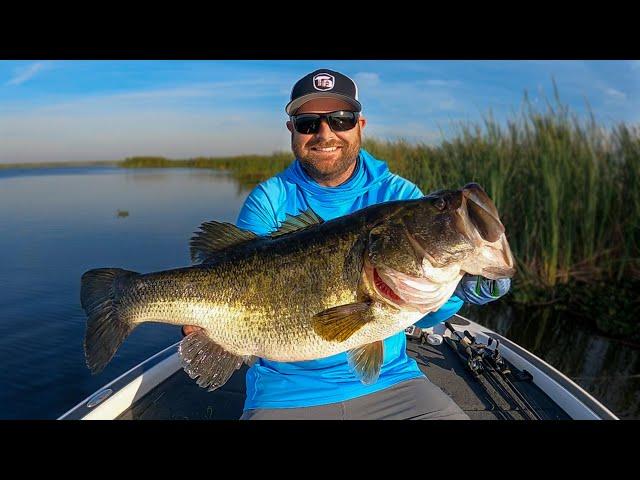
(498, 259)
(384, 289)
(478, 219)
(378, 287)
(481, 212)
(407, 293)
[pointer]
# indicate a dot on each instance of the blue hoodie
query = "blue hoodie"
(327, 380)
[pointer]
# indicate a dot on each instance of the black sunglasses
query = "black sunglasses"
(339, 121)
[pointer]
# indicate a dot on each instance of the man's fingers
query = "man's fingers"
(189, 329)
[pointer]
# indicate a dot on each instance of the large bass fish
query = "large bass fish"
(309, 290)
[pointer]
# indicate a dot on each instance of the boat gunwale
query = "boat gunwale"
(82, 411)
(565, 384)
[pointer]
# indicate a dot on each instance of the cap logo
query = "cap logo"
(323, 82)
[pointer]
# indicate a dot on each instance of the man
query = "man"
(333, 176)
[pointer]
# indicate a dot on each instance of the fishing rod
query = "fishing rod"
(485, 375)
(488, 386)
(420, 335)
(499, 372)
(498, 364)
(495, 365)
(490, 367)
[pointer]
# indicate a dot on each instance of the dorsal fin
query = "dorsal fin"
(291, 223)
(215, 236)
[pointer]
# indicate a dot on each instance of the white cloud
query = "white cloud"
(26, 73)
(414, 98)
(240, 95)
(443, 83)
(367, 79)
(612, 92)
(244, 88)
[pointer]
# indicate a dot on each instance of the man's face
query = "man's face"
(326, 155)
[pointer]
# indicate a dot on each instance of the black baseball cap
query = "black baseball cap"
(323, 83)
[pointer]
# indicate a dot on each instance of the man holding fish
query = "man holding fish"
(334, 177)
(330, 261)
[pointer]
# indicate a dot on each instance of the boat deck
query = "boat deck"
(180, 398)
(478, 399)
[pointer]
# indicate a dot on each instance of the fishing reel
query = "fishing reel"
(488, 366)
(414, 333)
(498, 362)
(420, 335)
(476, 354)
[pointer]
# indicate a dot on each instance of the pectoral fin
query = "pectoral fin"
(339, 323)
(366, 361)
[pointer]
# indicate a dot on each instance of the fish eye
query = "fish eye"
(440, 203)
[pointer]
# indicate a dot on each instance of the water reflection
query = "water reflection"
(58, 224)
(607, 368)
(158, 175)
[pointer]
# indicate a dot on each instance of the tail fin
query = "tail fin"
(106, 329)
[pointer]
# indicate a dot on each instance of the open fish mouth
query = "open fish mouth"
(385, 290)
(480, 214)
(479, 219)
(376, 283)
(410, 293)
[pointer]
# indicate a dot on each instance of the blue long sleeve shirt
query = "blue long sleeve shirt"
(273, 384)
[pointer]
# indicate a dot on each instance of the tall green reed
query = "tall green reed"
(567, 188)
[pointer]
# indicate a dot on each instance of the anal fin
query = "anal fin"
(366, 361)
(206, 361)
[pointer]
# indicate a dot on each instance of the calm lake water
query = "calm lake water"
(55, 224)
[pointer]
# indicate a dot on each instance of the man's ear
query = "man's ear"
(290, 126)
(363, 122)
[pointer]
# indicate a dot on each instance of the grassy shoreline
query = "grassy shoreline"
(34, 165)
(248, 170)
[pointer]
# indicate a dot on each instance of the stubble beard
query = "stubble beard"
(318, 167)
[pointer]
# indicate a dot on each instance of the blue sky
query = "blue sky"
(109, 110)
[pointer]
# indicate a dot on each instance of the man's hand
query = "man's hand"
(188, 329)
(479, 290)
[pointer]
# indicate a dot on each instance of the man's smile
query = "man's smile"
(325, 149)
